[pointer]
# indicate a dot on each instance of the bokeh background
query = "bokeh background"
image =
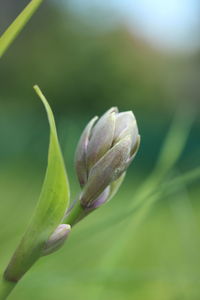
(87, 56)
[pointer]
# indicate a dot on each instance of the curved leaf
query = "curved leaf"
(51, 207)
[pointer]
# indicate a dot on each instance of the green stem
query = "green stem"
(5, 288)
(76, 214)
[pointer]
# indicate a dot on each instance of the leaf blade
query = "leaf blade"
(56, 173)
(51, 207)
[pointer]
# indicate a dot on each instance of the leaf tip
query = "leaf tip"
(38, 91)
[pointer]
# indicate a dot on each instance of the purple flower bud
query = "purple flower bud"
(106, 170)
(107, 194)
(104, 152)
(99, 200)
(57, 239)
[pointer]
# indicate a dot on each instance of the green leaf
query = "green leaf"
(53, 202)
(14, 29)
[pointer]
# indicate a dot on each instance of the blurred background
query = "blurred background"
(89, 55)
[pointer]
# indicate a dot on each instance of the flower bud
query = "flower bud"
(57, 239)
(107, 194)
(105, 150)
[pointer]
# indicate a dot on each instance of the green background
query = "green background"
(83, 71)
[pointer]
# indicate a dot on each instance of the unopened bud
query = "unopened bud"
(104, 152)
(57, 239)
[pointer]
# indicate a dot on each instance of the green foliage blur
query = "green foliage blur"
(83, 70)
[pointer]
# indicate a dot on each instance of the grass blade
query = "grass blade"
(175, 142)
(14, 29)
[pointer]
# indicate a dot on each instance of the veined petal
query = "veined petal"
(126, 125)
(123, 120)
(80, 155)
(106, 170)
(101, 138)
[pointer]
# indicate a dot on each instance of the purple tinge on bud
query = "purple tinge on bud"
(105, 150)
(107, 169)
(57, 239)
(107, 194)
(99, 200)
